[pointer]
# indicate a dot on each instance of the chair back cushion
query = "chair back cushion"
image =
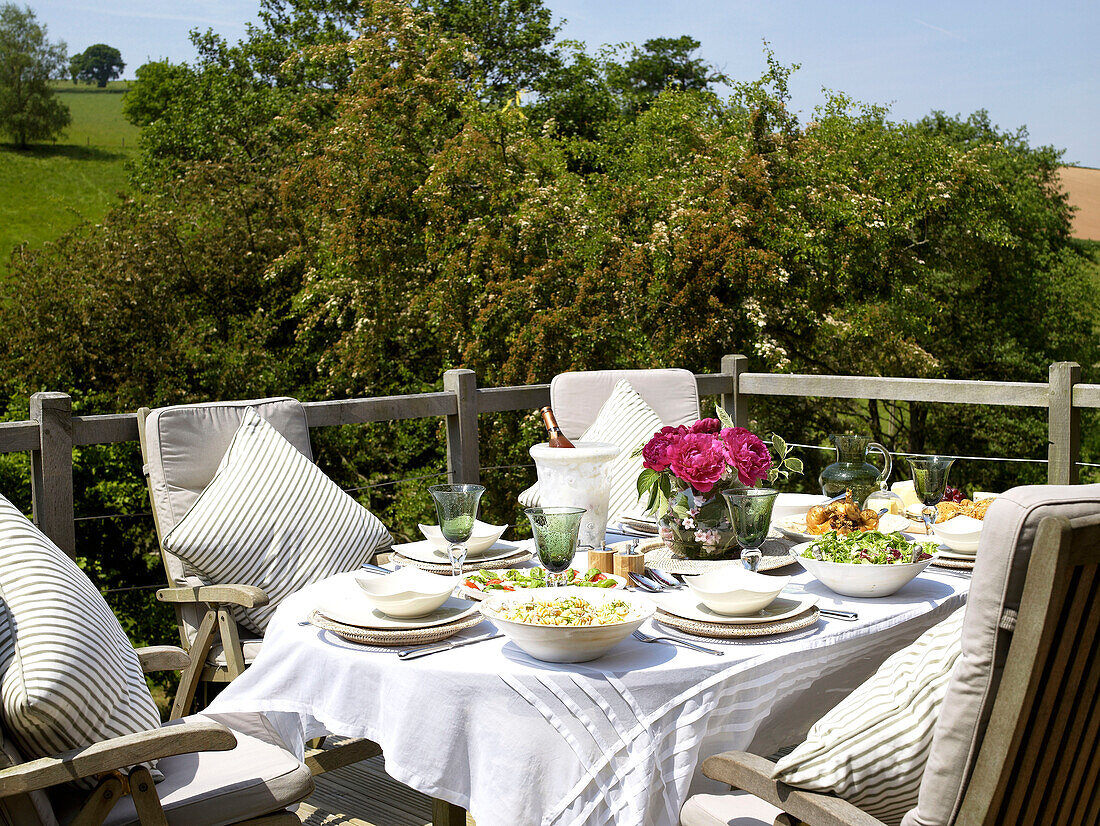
(185, 445)
(272, 519)
(994, 599)
(32, 809)
(625, 420)
(69, 676)
(578, 397)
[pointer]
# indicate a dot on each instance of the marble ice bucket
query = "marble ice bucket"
(578, 477)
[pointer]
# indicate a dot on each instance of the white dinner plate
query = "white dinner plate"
(949, 553)
(685, 604)
(425, 551)
(473, 593)
(351, 609)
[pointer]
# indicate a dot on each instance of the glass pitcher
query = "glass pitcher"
(852, 471)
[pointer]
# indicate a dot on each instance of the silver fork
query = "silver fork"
(638, 635)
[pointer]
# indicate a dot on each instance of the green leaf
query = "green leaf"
(779, 445)
(723, 416)
(793, 464)
(646, 480)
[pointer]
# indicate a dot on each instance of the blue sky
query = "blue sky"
(1029, 64)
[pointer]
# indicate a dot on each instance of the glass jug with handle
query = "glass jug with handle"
(852, 471)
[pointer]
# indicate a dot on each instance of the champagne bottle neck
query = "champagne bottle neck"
(556, 437)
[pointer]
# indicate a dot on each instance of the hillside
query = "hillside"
(1082, 185)
(50, 187)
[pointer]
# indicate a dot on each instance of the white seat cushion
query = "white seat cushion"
(216, 656)
(258, 776)
(272, 519)
(737, 808)
(70, 675)
(625, 420)
(871, 749)
(577, 397)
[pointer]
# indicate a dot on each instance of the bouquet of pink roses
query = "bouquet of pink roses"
(685, 469)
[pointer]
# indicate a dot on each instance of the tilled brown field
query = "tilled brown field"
(1083, 187)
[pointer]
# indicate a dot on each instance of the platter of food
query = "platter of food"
(842, 517)
(481, 584)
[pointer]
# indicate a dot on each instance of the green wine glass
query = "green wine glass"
(751, 516)
(930, 484)
(456, 507)
(556, 530)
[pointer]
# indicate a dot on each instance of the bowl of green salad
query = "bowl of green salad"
(865, 564)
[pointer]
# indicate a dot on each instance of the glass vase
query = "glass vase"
(696, 526)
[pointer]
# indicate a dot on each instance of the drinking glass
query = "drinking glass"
(456, 507)
(556, 530)
(930, 483)
(751, 516)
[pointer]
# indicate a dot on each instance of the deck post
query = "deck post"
(735, 403)
(52, 469)
(1063, 424)
(463, 462)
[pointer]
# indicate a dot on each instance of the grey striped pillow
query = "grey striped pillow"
(70, 676)
(271, 518)
(625, 420)
(871, 749)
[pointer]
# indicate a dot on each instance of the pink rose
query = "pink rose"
(746, 452)
(658, 451)
(706, 426)
(698, 459)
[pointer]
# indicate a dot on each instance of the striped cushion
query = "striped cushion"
(270, 518)
(625, 420)
(70, 676)
(871, 749)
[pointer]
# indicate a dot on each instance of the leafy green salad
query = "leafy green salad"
(868, 548)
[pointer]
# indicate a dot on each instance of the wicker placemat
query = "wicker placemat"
(658, 555)
(402, 636)
(469, 567)
(721, 630)
(953, 564)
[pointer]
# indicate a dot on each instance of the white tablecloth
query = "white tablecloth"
(615, 741)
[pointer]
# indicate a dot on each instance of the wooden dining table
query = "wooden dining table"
(616, 740)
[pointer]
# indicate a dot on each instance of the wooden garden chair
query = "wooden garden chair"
(1018, 736)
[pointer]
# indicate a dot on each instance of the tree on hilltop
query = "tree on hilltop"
(98, 63)
(28, 61)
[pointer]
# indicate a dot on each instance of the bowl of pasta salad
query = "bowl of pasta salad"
(569, 624)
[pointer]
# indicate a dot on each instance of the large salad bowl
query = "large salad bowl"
(863, 579)
(566, 643)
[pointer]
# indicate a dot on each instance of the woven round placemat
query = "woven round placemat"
(469, 567)
(720, 630)
(402, 636)
(953, 564)
(658, 555)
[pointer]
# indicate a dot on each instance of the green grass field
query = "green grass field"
(51, 187)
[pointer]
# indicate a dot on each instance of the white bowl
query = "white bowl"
(736, 591)
(483, 537)
(565, 644)
(852, 580)
(959, 533)
(408, 592)
(795, 504)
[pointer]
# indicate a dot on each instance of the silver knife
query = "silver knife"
(425, 650)
(837, 614)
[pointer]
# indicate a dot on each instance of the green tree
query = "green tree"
(662, 63)
(29, 111)
(156, 85)
(98, 63)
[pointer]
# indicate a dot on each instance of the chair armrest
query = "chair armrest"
(162, 658)
(248, 596)
(116, 753)
(754, 774)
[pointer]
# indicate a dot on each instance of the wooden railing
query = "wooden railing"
(52, 431)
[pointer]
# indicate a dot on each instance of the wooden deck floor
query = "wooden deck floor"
(363, 794)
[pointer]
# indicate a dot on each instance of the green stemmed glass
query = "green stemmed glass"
(456, 507)
(751, 517)
(556, 531)
(930, 483)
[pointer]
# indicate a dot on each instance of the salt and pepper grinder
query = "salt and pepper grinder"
(630, 562)
(601, 559)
